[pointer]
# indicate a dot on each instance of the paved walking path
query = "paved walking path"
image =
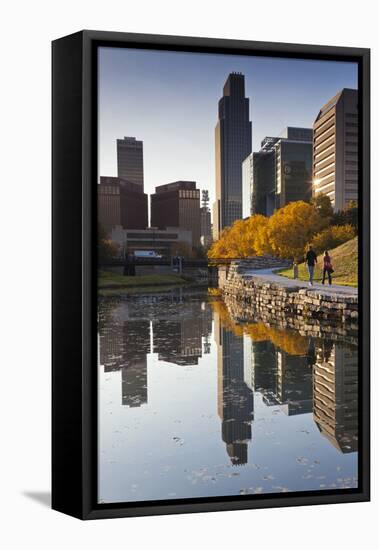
(269, 276)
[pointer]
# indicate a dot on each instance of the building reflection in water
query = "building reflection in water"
(125, 347)
(318, 376)
(178, 331)
(335, 395)
(235, 397)
(179, 340)
(313, 376)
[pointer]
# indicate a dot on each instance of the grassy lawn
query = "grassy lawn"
(344, 261)
(108, 280)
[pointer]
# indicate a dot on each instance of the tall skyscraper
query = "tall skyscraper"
(233, 144)
(177, 204)
(130, 160)
(335, 149)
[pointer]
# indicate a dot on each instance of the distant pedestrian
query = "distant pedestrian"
(311, 260)
(328, 268)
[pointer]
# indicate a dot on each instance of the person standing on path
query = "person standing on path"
(311, 260)
(327, 269)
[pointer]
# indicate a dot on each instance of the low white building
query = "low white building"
(160, 240)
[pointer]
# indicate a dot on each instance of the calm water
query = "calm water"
(193, 405)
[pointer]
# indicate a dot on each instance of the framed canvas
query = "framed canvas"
(211, 284)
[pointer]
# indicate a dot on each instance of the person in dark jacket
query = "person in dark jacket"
(311, 260)
(327, 268)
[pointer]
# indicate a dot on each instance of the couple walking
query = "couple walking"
(311, 261)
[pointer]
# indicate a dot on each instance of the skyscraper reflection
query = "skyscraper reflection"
(178, 335)
(235, 398)
(175, 328)
(298, 374)
(282, 379)
(124, 347)
(335, 391)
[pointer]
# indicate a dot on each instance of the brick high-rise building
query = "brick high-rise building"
(335, 149)
(130, 160)
(121, 202)
(233, 144)
(177, 204)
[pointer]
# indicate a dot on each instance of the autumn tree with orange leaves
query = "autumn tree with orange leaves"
(284, 234)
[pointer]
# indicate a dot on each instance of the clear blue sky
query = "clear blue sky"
(169, 101)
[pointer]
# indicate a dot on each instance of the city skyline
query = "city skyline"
(153, 95)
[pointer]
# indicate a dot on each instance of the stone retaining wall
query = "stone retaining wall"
(256, 262)
(289, 304)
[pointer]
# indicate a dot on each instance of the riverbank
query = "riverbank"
(271, 296)
(110, 283)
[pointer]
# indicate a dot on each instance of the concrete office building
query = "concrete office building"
(233, 144)
(177, 204)
(335, 149)
(130, 160)
(121, 202)
(247, 180)
(293, 166)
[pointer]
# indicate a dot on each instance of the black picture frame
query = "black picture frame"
(74, 152)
